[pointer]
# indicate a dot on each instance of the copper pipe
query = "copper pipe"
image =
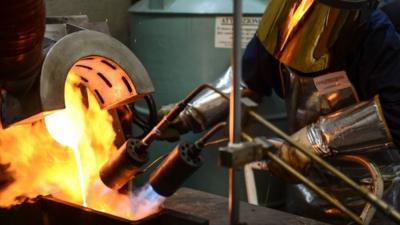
(22, 25)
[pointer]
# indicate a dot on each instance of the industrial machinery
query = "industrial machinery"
(33, 83)
(183, 160)
(210, 56)
(33, 86)
(125, 164)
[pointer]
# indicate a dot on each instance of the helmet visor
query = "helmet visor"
(307, 35)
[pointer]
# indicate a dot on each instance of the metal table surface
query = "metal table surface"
(215, 209)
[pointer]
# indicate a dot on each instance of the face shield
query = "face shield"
(311, 35)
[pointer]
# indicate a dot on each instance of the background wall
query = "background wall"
(113, 11)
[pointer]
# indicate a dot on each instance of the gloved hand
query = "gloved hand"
(293, 157)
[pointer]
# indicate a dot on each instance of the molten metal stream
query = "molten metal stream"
(66, 128)
(80, 175)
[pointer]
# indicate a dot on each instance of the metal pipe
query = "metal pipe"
(235, 103)
(235, 109)
(370, 197)
(309, 184)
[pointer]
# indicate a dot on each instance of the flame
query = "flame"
(43, 164)
(147, 201)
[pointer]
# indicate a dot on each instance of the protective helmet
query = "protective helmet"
(312, 35)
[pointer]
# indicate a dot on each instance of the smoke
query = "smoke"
(145, 202)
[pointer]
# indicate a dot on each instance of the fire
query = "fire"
(77, 140)
(146, 200)
(66, 127)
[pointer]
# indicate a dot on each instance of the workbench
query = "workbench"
(215, 209)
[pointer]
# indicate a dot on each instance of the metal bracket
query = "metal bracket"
(240, 154)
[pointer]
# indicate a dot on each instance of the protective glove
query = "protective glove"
(293, 157)
(200, 118)
(357, 129)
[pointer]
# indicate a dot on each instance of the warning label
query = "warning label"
(224, 31)
(332, 82)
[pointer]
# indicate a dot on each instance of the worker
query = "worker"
(320, 77)
(337, 65)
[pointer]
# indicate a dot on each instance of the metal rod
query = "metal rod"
(216, 142)
(200, 144)
(235, 103)
(204, 139)
(380, 204)
(309, 184)
(235, 109)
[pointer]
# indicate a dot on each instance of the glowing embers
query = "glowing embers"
(110, 83)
